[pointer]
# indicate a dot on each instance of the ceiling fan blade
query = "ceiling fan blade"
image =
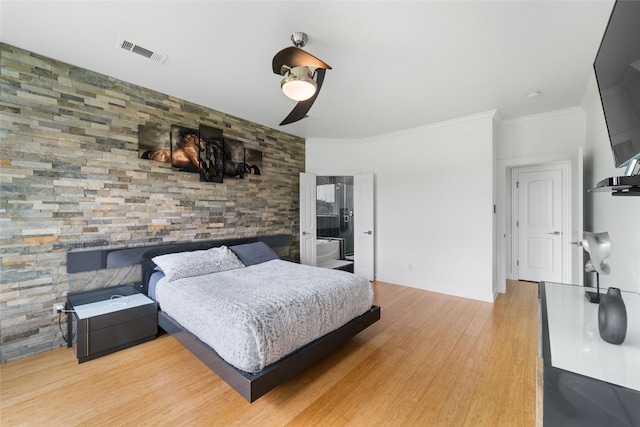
(295, 57)
(301, 109)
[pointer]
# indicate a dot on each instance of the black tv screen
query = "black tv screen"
(617, 69)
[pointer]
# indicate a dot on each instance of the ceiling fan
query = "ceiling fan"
(303, 76)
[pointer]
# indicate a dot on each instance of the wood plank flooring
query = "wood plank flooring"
(432, 360)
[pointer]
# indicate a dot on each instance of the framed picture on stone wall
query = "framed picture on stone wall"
(253, 160)
(212, 157)
(154, 143)
(204, 151)
(234, 164)
(185, 149)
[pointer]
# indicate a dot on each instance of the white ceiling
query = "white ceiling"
(396, 65)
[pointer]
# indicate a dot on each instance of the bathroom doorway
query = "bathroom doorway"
(334, 222)
(337, 222)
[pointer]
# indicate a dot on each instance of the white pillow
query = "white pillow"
(196, 263)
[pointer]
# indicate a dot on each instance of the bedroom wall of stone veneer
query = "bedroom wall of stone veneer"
(71, 179)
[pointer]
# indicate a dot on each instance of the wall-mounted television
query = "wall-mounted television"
(617, 70)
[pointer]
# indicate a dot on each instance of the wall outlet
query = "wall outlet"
(58, 308)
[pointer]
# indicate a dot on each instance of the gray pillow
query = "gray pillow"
(196, 263)
(254, 253)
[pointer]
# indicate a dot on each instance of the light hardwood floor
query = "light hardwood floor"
(432, 360)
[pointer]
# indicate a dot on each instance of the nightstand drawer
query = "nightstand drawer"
(120, 334)
(122, 316)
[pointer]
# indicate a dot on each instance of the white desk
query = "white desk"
(587, 381)
(575, 342)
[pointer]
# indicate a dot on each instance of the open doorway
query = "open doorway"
(334, 221)
(337, 222)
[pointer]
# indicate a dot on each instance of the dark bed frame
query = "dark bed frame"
(251, 386)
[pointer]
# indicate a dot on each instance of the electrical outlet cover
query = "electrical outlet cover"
(58, 307)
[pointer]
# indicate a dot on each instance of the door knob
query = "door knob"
(368, 232)
(555, 233)
(304, 233)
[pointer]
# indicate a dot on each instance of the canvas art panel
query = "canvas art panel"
(185, 149)
(253, 159)
(154, 143)
(212, 157)
(234, 164)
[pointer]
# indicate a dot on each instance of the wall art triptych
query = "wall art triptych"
(204, 151)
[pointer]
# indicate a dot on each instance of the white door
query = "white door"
(540, 225)
(308, 219)
(363, 229)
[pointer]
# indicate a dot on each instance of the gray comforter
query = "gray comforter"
(254, 316)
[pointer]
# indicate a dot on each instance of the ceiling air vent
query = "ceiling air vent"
(134, 48)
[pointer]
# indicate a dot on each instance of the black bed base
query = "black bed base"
(252, 386)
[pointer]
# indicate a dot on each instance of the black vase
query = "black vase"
(612, 317)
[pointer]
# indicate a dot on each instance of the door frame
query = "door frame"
(565, 187)
(308, 231)
(503, 209)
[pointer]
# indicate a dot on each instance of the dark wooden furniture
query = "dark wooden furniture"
(110, 319)
(250, 386)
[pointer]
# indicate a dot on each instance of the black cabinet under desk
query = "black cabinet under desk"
(111, 319)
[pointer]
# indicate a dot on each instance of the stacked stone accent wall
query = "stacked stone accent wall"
(71, 179)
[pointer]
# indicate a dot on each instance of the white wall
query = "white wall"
(557, 132)
(334, 157)
(619, 216)
(433, 201)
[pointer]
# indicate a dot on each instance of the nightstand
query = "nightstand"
(111, 319)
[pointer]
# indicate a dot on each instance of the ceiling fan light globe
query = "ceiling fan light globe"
(298, 84)
(298, 90)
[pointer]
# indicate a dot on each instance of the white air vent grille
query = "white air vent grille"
(134, 48)
(126, 45)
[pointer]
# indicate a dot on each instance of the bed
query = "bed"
(278, 342)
